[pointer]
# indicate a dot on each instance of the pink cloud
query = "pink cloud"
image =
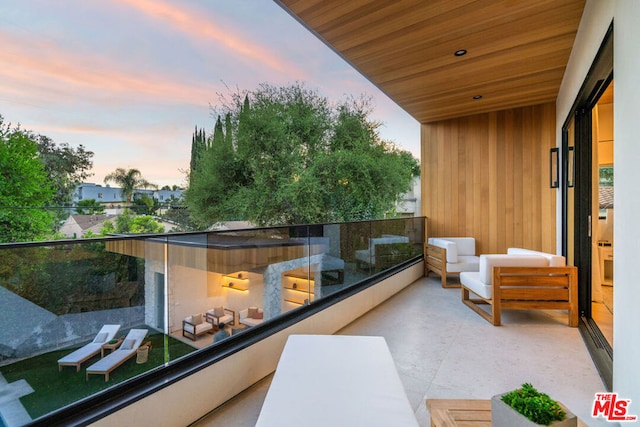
(43, 67)
(198, 27)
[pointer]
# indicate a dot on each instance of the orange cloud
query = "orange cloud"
(198, 28)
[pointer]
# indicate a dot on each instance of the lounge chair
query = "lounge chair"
(123, 353)
(89, 350)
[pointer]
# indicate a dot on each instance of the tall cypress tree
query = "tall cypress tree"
(198, 146)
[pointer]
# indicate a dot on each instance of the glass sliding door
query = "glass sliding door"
(587, 208)
(602, 282)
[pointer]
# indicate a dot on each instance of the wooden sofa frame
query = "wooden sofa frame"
(529, 288)
(436, 261)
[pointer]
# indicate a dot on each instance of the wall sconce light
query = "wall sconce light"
(571, 168)
(554, 168)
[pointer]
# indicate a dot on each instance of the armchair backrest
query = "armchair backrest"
(455, 246)
(487, 262)
(554, 260)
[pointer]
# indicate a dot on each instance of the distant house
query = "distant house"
(89, 191)
(77, 226)
(112, 198)
(409, 203)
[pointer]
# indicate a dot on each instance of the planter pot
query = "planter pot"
(503, 415)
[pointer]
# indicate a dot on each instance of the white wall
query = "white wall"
(626, 66)
(597, 16)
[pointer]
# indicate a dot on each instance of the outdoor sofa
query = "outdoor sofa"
(521, 279)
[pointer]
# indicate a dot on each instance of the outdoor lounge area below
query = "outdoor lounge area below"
(120, 307)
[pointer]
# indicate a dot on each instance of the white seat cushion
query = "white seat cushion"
(471, 280)
(465, 263)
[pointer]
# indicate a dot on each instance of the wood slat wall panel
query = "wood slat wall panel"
(486, 176)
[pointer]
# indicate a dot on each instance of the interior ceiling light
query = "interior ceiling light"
(460, 52)
(477, 97)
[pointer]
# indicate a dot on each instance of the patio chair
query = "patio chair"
(89, 350)
(128, 349)
(451, 256)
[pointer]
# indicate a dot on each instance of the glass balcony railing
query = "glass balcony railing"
(83, 316)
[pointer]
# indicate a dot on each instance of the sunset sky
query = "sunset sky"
(130, 79)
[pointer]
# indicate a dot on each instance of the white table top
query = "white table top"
(336, 380)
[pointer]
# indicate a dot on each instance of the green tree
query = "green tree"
(25, 188)
(127, 223)
(129, 181)
(144, 204)
(65, 165)
(89, 207)
(293, 158)
(198, 146)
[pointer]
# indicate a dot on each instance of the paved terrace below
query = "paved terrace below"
(442, 349)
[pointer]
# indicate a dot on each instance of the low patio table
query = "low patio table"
(107, 346)
(458, 412)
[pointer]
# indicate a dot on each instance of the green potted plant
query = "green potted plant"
(527, 406)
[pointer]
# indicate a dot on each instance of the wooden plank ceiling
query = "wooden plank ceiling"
(517, 50)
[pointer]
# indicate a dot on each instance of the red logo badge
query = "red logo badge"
(612, 408)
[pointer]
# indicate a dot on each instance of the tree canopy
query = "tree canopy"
(25, 188)
(89, 207)
(126, 223)
(286, 155)
(65, 165)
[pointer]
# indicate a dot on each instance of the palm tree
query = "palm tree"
(128, 180)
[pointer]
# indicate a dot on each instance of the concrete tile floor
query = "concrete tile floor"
(442, 349)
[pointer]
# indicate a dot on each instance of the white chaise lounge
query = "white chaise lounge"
(86, 352)
(127, 350)
(450, 256)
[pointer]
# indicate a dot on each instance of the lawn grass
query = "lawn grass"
(54, 389)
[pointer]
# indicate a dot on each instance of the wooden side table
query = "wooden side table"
(107, 346)
(457, 412)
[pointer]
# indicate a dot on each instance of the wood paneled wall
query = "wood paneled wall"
(487, 176)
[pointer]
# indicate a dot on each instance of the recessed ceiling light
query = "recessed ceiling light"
(477, 97)
(460, 52)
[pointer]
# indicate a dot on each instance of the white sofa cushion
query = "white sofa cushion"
(465, 245)
(243, 316)
(481, 282)
(471, 280)
(225, 318)
(487, 262)
(451, 247)
(554, 260)
(465, 263)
